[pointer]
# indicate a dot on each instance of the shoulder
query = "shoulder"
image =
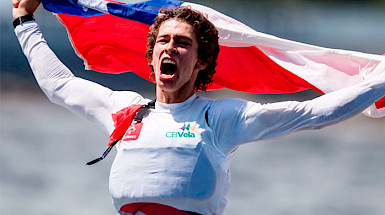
(227, 107)
(122, 99)
(225, 102)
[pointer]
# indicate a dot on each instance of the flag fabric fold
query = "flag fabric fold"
(110, 36)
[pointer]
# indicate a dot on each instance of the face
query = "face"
(175, 57)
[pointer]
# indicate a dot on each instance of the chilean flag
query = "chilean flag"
(110, 36)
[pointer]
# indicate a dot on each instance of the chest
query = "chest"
(166, 130)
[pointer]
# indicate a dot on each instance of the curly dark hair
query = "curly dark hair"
(207, 37)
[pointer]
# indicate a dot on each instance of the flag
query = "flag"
(110, 36)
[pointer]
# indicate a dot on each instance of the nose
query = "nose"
(171, 47)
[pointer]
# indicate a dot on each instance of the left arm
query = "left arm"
(236, 121)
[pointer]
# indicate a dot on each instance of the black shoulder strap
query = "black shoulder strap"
(207, 116)
(143, 110)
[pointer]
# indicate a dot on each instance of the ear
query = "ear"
(151, 77)
(200, 65)
(152, 67)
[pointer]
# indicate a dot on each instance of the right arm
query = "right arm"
(85, 98)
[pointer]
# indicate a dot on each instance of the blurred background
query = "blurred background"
(336, 170)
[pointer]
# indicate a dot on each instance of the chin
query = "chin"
(168, 87)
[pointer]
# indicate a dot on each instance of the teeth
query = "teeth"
(169, 61)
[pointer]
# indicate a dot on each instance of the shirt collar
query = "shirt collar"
(173, 106)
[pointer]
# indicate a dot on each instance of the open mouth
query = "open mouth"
(168, 67)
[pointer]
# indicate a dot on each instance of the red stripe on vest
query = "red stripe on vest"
(151, 209)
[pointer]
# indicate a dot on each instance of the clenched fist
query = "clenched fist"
(24, 7)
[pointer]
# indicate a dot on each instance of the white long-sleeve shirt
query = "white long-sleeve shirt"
(182, 155)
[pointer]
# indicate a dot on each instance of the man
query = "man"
(176, 159)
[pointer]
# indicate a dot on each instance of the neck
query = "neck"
(172, 97)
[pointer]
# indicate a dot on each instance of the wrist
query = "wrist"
(17, 12)
(22, 19)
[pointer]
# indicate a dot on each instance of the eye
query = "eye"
(162, 40)
(184, 43)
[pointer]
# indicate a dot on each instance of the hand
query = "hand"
(24, 7)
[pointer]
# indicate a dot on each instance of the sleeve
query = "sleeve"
(236, 121)
(87, 99)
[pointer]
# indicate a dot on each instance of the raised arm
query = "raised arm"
(85, 98)
(249, 121)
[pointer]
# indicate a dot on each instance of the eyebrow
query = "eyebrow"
(177, 37)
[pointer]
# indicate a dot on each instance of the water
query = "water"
(44, 148)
